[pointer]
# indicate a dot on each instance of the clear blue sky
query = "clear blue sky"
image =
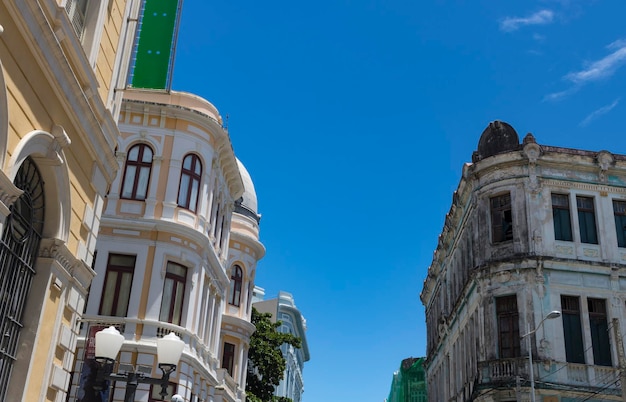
(354, 118)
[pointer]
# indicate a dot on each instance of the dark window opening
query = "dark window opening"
(587, 220)
(600, 341)
(501, 218)
(619, 210)
(561, 217)
(236, 279)
(508, 326)
(572, 329)
(228, 357)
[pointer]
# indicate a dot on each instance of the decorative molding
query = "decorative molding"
(8, 192)
(583, 186)
(591, 252)
(77, 269)
(569, 250)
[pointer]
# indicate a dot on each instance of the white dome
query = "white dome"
(249, 200)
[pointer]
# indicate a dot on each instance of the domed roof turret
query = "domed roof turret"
(247, 204)
(498, 137)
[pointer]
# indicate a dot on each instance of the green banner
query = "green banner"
(154, 44)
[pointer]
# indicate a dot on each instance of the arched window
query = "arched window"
(190, 182)
(18, 252)
(235, 286)
(137, 172)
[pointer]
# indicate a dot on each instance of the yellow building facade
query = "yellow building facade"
(61, 65)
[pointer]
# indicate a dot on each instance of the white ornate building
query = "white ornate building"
(244, 253)
(177, 249)
(532, 229)
(283, 308)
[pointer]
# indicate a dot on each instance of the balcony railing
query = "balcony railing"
(151, 330)
(503, 370)
(227, 384)
(548, 372)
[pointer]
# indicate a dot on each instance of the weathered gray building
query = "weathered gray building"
(532, 229)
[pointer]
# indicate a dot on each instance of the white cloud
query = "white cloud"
(602, 68)
(599, 112)
(541, 17)
(597, 70)
(555, 96)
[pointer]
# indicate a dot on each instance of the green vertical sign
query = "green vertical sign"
(155, 38)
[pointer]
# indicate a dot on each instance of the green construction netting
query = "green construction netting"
(409, 382)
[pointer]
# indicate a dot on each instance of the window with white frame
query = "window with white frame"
(228, 357)
(118, 281)
(173, 294)
(236, 280)
(190, 176)
(137, 172)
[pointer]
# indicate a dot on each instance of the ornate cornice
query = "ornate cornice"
(75, 268)
(8, 192)
(599, 187)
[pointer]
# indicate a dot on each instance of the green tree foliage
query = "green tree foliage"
(266, 364)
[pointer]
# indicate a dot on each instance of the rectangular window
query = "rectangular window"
(204, 306)
(572, 329)
(118, 281)
(501, 218)
(599, 332)
(619, 210)
(228, 357)
(587, 220)
(508, 326)
(173, 293)
(77, 11)
(561, 217)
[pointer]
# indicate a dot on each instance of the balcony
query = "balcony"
(549, 374)
(227, 387)
(502, 370)
(145, 333)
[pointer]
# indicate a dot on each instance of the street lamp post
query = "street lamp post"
(108, 344)
(551, 315)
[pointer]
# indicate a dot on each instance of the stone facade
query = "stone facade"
(532, 229)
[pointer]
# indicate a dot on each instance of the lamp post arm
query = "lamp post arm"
(139, 378)
(133, 379)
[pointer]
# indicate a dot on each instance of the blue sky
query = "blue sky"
(354, 118)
